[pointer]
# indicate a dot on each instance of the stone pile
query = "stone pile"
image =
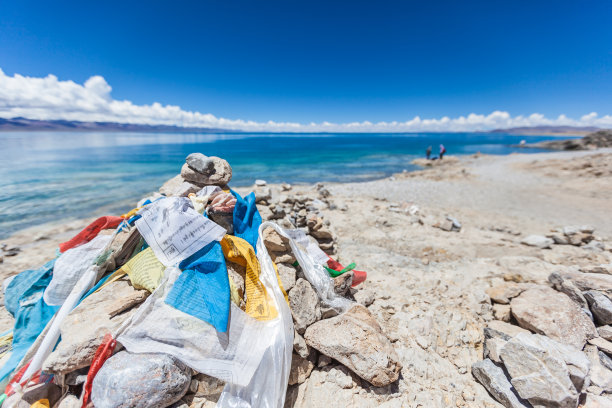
(571, 235)
(550, 345)
(298, 211)
(323, 339)
(197, 172)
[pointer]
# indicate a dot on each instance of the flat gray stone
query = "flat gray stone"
(200, 163)
(569, 288)
(605, 360)
(605, 332)
(602, 344)
(590, 281)
(538, 241)
(300, 346)
(304, 304)
(287, 274)
(495, 381)
(600, 375)
(507, 329)
(601, 306)
(148, 380)
(492, 349)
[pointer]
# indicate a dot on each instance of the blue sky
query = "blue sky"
(316, 61)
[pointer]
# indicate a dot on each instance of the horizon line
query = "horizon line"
(50, 99)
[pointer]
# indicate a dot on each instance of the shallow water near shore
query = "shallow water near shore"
(47, 176)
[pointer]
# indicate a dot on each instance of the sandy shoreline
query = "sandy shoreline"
(430, 283)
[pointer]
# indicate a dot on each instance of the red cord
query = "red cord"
(103, 352)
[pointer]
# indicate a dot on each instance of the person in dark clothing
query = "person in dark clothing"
(442, 151)
(428, 153)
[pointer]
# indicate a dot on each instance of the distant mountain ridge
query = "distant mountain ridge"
(23, 124)
(549, 130)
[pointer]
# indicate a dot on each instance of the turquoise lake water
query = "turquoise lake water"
(48, 176)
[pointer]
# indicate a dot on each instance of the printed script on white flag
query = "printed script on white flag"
(175, 231)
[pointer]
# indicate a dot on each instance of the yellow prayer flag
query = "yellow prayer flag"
(258, 303)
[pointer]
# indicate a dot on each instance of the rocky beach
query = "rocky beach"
(488, 284)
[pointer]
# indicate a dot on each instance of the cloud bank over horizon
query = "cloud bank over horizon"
(49, 98)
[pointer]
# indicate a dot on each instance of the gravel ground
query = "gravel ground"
(428, 283)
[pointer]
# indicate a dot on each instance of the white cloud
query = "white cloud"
(49, 98)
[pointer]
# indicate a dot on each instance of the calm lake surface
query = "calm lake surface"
(49, 176)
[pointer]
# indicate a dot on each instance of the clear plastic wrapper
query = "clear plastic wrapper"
(315, 272)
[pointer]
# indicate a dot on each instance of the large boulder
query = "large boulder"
(84, 328)
(356, 340)
(129, 380)
(545, 372)
(545, 311)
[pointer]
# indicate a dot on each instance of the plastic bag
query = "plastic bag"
(253, 357)
(315, 272)
(24, 300)
(232, 356)
(268, 385)
(70, 266)
(76, 292)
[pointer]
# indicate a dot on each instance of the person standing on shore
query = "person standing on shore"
(428, 153)
(442, 151)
